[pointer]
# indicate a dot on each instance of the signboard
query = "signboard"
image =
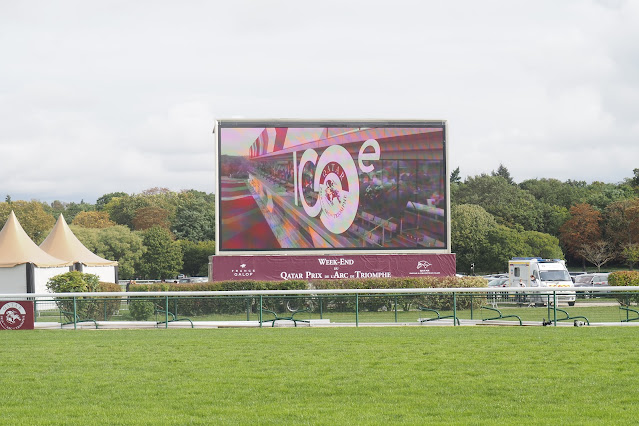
(279, 268)
(16, 315)
(332, 187)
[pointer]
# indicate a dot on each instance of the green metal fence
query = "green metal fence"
(464, 306)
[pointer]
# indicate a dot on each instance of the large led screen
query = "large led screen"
(332, 186)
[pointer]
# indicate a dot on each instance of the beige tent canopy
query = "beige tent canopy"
(16, 248)
(25, 267)
(63, 244)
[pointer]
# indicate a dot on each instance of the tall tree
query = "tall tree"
(510, 205)
(555, 192)
(104, 200)
(583, 227)
(543, 245)
(598, 253)
(117, 243)
(470, 225)
(122, 209)
(455, 176)
(163, 256)
(621, 223)
(600, 194)
(194, 219)
(147, 217)
(503, 172)
(502, 244)
(196, 257)
(93, 219)
(32, 216)
(630, 253)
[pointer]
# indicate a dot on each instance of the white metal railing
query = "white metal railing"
(545, 290)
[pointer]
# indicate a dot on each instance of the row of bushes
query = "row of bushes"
(375, 303)
(142, 308)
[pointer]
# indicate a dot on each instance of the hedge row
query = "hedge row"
(387, 302)
(186, 306)
(343, 303)
(112, 303)
(625, 278)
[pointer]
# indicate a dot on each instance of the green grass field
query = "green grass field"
(414, 375)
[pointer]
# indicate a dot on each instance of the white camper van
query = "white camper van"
(547, 273)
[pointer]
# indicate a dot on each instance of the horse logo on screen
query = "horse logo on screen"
(331, 192)
(336, 180)
(12, 316)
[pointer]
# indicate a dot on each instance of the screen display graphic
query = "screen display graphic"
(332, 186)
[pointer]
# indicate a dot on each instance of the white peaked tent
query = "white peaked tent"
(62, 244)
(25, 267)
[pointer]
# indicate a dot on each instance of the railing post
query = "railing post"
(356, 309)
(454, 309)
(260, 311)
(105, 309)
(471, 306)
(554, 306)
(75, 315)
(321, 303)
(166, 311)
(395, 308)
(248, 308)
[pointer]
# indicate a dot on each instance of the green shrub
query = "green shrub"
(141, 309)
(625, 278)
(75, 282)
(110, 305)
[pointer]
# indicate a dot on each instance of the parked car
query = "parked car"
(193, 280)
(591, 280)
(497, 296)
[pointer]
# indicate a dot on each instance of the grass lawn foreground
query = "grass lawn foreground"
(414, 375)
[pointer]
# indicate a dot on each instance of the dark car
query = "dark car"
(590, 280)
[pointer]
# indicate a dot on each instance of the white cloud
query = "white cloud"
(120, 96)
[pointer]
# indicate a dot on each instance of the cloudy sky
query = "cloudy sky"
(104, 96)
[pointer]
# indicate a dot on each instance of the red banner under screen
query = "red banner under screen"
(332, 267)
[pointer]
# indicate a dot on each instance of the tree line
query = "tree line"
(494, 218)
(157, 234)
(160, 233)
